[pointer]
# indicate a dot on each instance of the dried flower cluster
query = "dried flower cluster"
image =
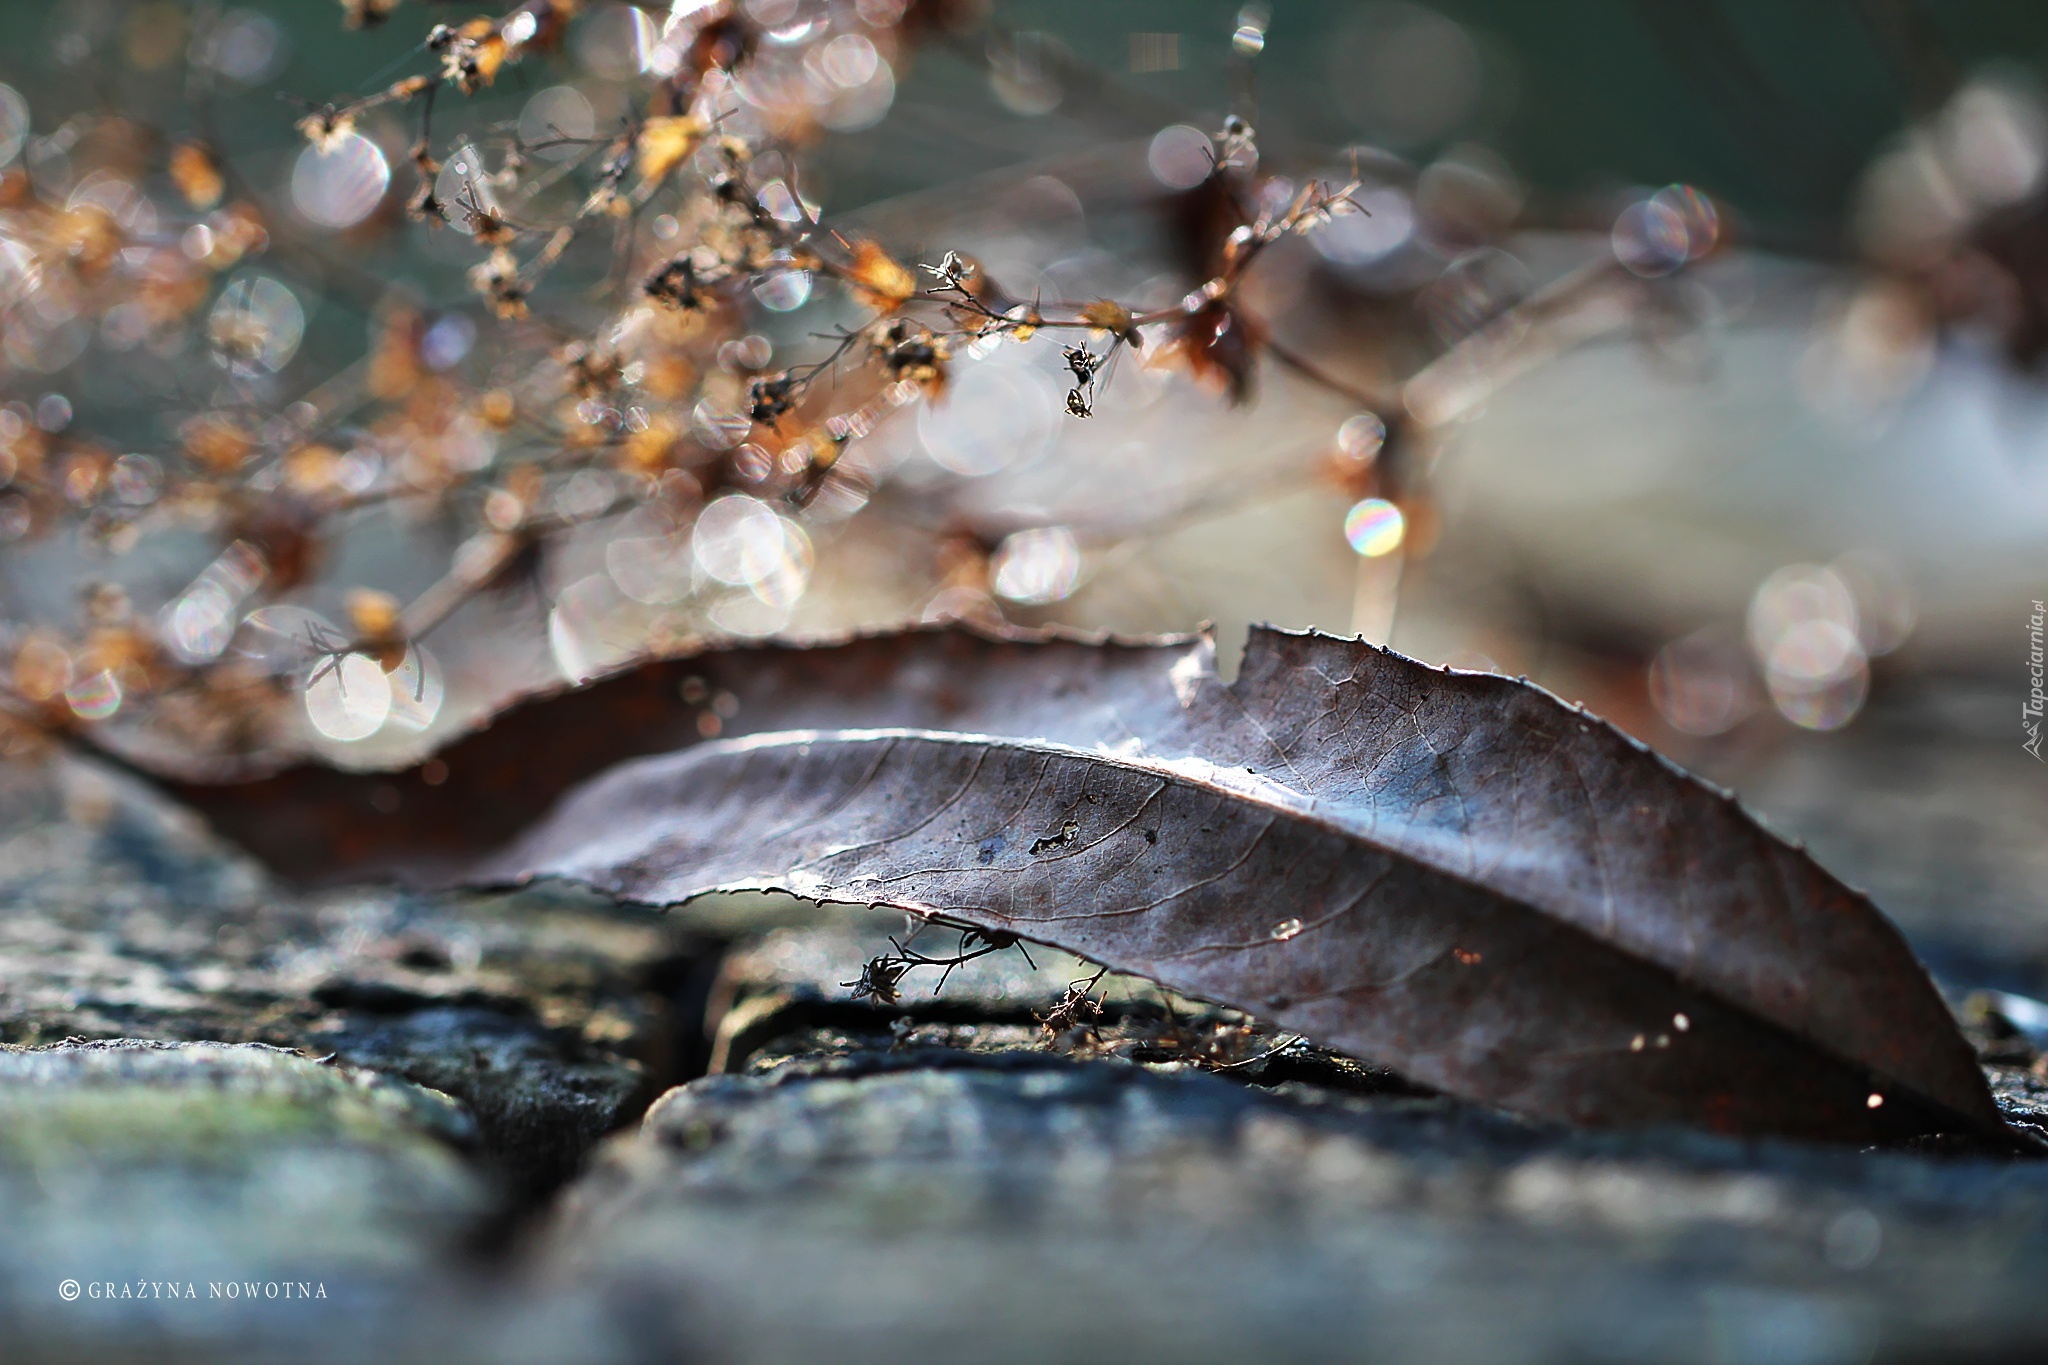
(660, 402)
(607, 369)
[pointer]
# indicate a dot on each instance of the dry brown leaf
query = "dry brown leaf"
(1454, 875)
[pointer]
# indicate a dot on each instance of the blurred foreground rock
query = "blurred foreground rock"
(189, 1200)
(549, 1020)
(379, 1097)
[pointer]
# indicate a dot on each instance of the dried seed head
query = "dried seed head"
(877, 280)
(373, 615)
(677, 285)
(771, 395)
(367, 13)
(197, 174)
(326, 126)
(879, 978)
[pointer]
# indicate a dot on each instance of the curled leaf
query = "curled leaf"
(1454, 875)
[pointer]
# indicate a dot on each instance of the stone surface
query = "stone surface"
(552, 1019)
(379, 1095)
(876, 1196)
